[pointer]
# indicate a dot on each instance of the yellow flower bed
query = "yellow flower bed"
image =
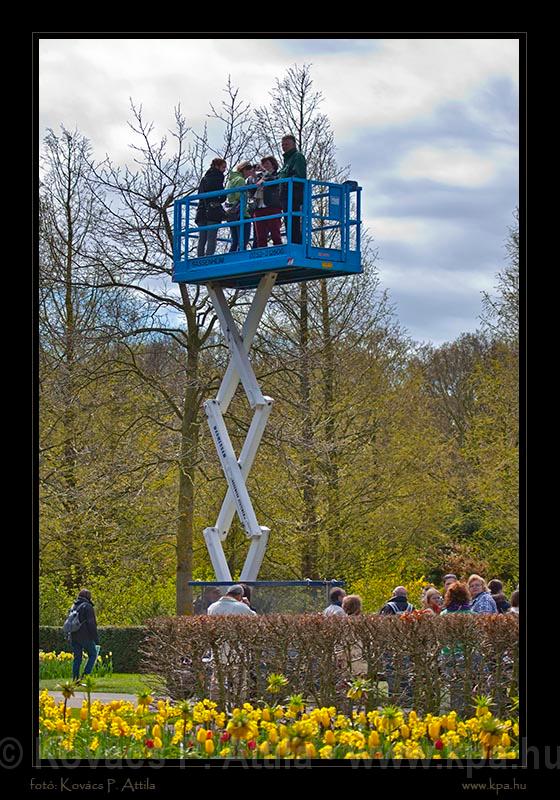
(59, 665)
(122, 729)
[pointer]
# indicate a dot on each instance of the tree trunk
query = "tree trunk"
(71, 549)
(331, 453)
(309, 524)
(190, 432)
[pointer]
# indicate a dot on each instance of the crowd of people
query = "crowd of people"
(474, 596)
(263, 201)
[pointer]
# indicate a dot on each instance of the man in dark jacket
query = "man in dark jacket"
(86, 637)
(210, 210)
(398, 603)
(295, 166)
(497, 590)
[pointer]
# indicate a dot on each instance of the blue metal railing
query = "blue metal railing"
(182, 209)
(329, 229)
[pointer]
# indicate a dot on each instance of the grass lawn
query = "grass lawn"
(119, 683)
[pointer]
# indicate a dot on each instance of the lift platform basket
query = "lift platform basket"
(320, 237)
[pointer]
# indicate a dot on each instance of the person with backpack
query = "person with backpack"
(80, 628)
(210, 211)
(398, 604)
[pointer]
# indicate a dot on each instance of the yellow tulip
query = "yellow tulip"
(83, 713)
(264, 748)
(310, 750)
(209, 746)
(156, 730)
(201, 735)
(434, 730)
(282, 748)
(405, 731)
(266, 715)
(272, 735)
(373, 740)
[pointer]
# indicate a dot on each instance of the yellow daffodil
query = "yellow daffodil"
(329, 737)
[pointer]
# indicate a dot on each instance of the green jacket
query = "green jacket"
(236, 179)
(295, 165)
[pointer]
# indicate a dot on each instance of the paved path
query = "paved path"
(105, 697)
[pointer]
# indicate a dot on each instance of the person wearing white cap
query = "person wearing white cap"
(237, 177)
(231, 603)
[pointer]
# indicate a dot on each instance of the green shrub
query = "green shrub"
(123, 643)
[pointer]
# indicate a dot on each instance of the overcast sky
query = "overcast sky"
(429, 127)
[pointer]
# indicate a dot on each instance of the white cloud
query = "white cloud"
(433, 281)
(455, 165)
(407, 78)
(405, 230)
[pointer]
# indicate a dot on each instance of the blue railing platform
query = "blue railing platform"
(330, 237)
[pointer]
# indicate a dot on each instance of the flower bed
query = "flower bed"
(124, 730)
(59, 665)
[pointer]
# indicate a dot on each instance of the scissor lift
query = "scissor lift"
(329, 247)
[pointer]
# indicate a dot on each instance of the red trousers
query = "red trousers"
(271, 226)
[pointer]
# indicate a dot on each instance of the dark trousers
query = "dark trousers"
(296, 227)
(207, 243)
(271, 226)
(235, 236)
(78, 649)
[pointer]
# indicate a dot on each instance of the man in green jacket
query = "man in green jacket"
(295, 166)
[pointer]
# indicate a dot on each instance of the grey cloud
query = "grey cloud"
(307, 47)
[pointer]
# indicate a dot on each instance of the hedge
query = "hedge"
(428, 663)
(123, 643)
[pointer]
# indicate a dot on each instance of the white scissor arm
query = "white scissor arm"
(236, 471)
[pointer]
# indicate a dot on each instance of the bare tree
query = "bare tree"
(138, 257)
(500, 315)
(69, 221)
(319, 316)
